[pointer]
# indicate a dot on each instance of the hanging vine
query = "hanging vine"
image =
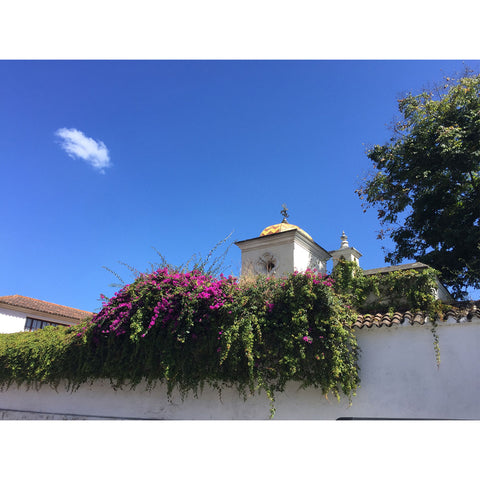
(190, 329)
(398, 290)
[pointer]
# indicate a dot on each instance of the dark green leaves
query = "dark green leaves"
(427, 186)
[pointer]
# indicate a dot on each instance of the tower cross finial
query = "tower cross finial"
(284, 212)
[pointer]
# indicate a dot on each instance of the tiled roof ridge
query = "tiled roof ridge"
(459, 311)
(394, 268)
(42, 306)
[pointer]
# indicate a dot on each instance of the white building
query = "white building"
(281, 249)
(18, 313)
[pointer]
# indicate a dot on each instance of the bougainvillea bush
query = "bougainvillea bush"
(189, 329)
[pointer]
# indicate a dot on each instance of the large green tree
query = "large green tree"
(426, 187)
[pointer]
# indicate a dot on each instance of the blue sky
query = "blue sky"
(103, 160)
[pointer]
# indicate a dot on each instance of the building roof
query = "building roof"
(394, 268)
(283, 227)
(458, 313)
(40, 306)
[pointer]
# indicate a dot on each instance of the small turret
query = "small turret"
(345, 251)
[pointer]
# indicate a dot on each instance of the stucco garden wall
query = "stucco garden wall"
(399, 379)
(11, 321)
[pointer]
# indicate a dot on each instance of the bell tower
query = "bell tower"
(280, 249)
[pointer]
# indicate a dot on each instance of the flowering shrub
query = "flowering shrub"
(189, 329)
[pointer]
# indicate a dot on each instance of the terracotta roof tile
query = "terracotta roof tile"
(458, 312)
(44, 307)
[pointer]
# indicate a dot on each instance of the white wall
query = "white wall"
(11, 321)
(291, 250)
(283, 252)
(304, 258)
(399, 379)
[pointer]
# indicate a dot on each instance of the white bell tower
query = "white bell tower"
(280, 249)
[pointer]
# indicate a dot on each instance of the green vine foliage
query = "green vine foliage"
(398, 290)
(188, 330)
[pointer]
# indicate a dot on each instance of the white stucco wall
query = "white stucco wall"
(304, 258)
(291, 250)
(399, 379)
(11, 321)
(441, 293)
(283, 253)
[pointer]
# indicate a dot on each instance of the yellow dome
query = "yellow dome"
(283, 227)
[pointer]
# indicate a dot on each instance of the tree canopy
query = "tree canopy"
(426, 187)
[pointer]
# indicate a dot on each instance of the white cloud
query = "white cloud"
(77, 145)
